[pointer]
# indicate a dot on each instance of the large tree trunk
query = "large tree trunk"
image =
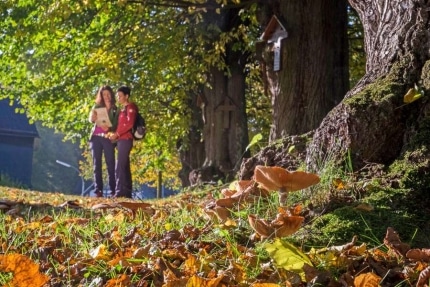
(314, 63)
(373, 124)
(225, 130)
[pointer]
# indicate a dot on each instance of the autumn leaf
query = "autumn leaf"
(122, 280)
(419, 254)
(288, 256)
(196, 281)
(100, 252)
(412, 95)
(25, 271)
(265, 285)
(338, 184)
(367, 280)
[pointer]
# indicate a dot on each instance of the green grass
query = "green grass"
(175, 241)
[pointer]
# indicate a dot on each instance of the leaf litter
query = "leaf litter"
(141, 248)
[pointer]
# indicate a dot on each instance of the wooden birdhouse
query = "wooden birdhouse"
(273, 34)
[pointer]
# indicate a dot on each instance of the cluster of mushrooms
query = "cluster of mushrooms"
(266, 179)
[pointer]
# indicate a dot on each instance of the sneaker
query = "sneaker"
(98, 193)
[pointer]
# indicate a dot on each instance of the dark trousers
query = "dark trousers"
(124, 183)
(100, 146)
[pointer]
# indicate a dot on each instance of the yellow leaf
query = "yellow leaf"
(412, 95)
(288, 256)
(100, 252)
(338, 183)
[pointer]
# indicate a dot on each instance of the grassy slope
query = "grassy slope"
(173, 241)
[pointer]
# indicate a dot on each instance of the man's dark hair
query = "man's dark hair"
(126, 90)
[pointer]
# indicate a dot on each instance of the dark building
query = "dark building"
(16, 144)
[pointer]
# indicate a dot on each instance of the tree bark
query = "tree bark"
(373, 124)
(314, 64)
(192, 151)
(225, 129)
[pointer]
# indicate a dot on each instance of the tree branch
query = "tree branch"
(187, 4)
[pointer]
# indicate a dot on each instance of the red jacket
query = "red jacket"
(126, 119)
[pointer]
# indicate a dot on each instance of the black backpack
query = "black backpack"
(139, 127)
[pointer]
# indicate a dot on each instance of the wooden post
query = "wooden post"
(226, 108)
(159, 184)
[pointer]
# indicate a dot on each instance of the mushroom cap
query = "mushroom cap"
(282, 226)
(276, 178)
(261, 226)
(290, 226)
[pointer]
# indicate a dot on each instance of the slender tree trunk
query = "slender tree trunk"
(314, 63)
(192, 151)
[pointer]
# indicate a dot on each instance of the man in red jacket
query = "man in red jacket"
(124, 139)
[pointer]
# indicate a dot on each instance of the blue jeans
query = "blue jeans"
(99, 146)
(124, 185)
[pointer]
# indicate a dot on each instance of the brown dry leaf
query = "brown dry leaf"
(227, 202)
(222, 213)
(196, 281)
(218, 214)
(393, 242)
(121, 281)
(423, 278)
(25, 271)
(211, 214)
(122, 261)
(79, 221)
(134, 205)
(171, 280)
(227, 192)
(102, 206)
(310, 272)
(70, 204)
(367, 280)
(419, 254)
(243, 185)
(46, 219)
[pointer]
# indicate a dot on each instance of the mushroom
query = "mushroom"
(283, 225)
(282, 180)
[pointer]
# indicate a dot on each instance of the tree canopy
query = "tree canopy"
(55, 55)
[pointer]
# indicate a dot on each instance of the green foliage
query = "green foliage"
(54, 56)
